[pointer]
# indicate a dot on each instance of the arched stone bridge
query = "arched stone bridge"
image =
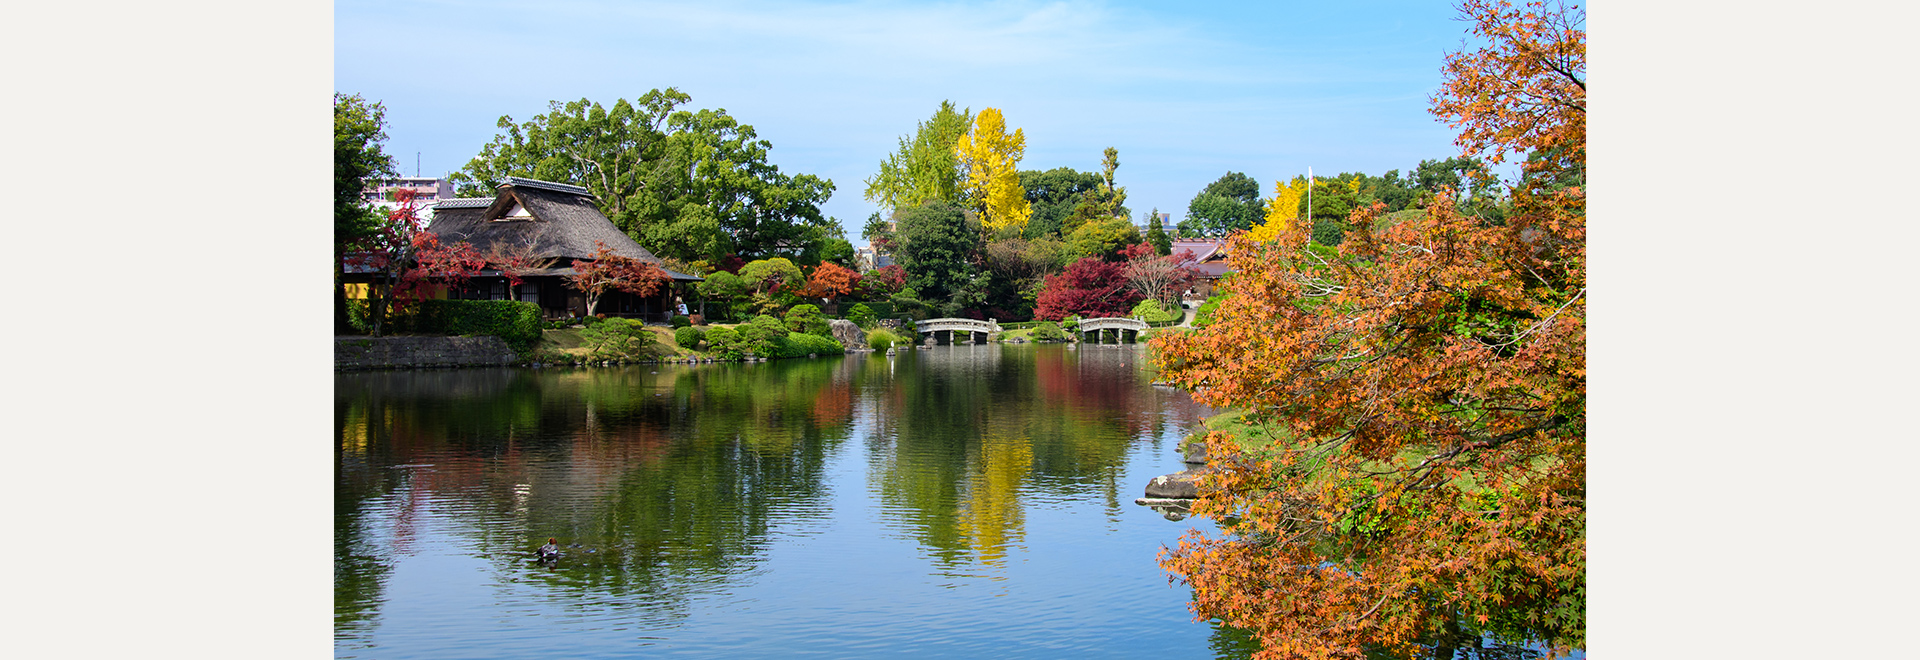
(1125, 329)
(976, 330)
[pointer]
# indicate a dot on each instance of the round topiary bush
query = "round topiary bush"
(688, 337)
(679, 321)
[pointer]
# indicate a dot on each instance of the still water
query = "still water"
(965, 501)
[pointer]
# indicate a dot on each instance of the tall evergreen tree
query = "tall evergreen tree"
(1157, 235)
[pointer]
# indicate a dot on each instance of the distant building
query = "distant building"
(866, 259)
(427, 191)
(1208, 260)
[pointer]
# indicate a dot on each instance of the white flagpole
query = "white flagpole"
(1309, 204)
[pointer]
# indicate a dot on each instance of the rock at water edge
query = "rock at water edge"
(1196, 453)
(1176, 485)
(848, 333)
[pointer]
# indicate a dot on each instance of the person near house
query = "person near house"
(682, 305)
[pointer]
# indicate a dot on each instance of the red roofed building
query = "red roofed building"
(1208, 259)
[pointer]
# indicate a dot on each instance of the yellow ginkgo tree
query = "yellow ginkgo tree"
(991, 158)
(1283, 209)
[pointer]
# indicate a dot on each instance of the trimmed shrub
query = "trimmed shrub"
(1149, 310)
(1203, 317)
(622, 338)
(807, 319)
(800, 344)
(679, 321)
(862, 315)
(1070, 323)
(688, 337)
(762, 335)
(1047, 331)
(725, 343)
(515, 322)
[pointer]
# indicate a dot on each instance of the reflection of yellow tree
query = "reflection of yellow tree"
(992, 517)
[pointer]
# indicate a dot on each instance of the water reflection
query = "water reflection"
(674, 486)
(658, 497)
(970, 434)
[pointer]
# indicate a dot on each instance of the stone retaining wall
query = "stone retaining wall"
(419, 352)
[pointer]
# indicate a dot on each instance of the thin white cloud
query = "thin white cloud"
(834, 84)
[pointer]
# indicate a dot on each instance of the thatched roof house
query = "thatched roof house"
(547, 221)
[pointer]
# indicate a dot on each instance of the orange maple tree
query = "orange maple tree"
(1425, 389)
(829, 281)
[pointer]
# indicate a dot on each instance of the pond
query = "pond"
(964, 501)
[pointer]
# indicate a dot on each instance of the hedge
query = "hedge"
(513, 321)
(800, 344)
(881, 310)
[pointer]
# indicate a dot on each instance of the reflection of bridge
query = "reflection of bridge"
(1124, 329)
(977, 331)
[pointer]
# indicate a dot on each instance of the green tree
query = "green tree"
(725, 288)
(606, 150)
(1112, 199)
(359, 161)
(1229, 204)
(1053, 195)
(861, 315)
(938, 244)
(879, 233)
(1102, 239)
(725, 343)
(717, 174)
(689, 185)
(807, 319)
(826, 244)
(772, 274)
(925, 169)
(359, 128)
(762, 335)
(1157, 235)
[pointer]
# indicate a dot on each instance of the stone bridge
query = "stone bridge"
(976, 331)
(1093, 331)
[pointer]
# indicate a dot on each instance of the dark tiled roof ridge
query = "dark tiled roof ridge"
(547, 185)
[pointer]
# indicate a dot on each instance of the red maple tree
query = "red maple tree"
(408, 263)
(1089, 288)
(607, 271)
(884, 281)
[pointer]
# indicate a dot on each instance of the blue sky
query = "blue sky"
(1185, 94)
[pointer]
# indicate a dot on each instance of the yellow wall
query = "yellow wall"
(359, 292)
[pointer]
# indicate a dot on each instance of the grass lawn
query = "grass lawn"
(569, 342)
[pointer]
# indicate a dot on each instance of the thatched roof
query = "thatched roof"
(556, 220)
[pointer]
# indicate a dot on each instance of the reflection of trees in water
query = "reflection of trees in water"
(961, 432)
(672, 480)
(992, 517)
